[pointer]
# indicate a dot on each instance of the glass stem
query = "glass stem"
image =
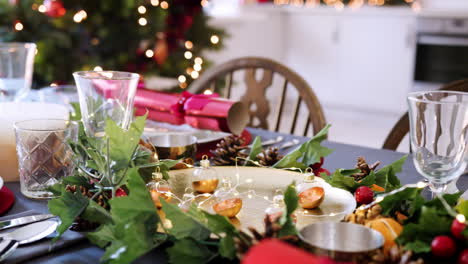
(437, 188)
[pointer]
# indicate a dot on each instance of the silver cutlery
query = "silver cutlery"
(24, 235)
(289, 144)
(270, 141)
(24, 220)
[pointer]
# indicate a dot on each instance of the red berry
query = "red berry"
(457, 229)
(120, 192)
(443, 247)
(463, 257)
(364, 195)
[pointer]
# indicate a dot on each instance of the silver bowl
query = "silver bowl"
(174, 146)
(341, 241)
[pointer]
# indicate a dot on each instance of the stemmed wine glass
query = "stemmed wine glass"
(438, 135)
(103, 95)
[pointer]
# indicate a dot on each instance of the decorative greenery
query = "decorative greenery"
(385, 177)
(116, 163)
(109, 35)
(426, 219)
(306, 154)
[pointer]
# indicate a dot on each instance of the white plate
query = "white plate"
(203, 136)
(265, 181)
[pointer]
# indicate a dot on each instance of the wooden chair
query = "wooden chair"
(401, 128)
(256, 90)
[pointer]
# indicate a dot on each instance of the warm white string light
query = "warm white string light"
(98, 68)
(154, 2)
(142, 21)
(42, 9)
(188, 44)
(149, 53)
(164, 5)
(188, 55)
(141, 9)
(80, 16)
(18, 26)
(214, 39)
(194, 74)
(182, 78)
(197, 67)
(198, 60)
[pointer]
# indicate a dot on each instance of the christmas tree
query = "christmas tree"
(157, 37)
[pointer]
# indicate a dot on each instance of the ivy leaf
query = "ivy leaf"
(462, 207)
(123, 143)
(429, 224)
(291, 202)
(135, 225)
(138, 201)
(338, 180)
(309, 152)
(183, 225)
(96, 214)
(227, 247)
(219, 224)
(68, 206)
(418, 246)
(77, 180)
(255, 150)
(386, 176)
(103, 236)
(132, 240)
(189, 251)
(393, 203)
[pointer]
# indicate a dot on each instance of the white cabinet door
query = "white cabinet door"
(312, 50)
(376, 56)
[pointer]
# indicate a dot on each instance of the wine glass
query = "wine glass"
(16, 70)
(438, 135)
(103, 95)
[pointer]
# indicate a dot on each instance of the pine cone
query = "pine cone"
(272, 229)
(396, 255)
(82, 225)
(365, 168)
(228, 150)
(362, 216)
(269, 157)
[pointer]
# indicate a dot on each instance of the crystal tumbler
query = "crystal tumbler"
(44, 155)
(16, 70)
(103, 95)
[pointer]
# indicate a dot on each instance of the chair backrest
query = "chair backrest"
(255, 96)
(401, 128)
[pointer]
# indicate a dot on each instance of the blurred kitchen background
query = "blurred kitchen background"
(361, 59)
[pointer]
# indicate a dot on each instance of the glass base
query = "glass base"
(40, 195)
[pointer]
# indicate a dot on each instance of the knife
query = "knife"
(24, 220)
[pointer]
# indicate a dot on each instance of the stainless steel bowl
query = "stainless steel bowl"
(174, 146)
(341, 241)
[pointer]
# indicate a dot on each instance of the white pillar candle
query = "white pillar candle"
(10, 113)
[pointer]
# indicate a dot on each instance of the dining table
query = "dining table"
(79, 250)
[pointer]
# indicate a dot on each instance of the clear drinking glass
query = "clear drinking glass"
(44, 155)
(105, 94)
(438, 135)
(16, 69)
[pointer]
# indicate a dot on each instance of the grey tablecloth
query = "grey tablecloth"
(344, 156)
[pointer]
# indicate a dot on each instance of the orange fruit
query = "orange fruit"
(311, 198)
(377, 188)
(389, 228)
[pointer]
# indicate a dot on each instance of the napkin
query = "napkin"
(6, 199)
(42, 247)
(274, 251)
